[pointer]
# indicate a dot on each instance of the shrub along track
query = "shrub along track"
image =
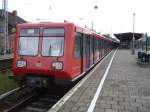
(5, 64)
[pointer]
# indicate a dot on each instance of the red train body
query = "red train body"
(55, 51)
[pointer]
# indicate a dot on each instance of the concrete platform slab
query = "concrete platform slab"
(126, 88)
(5, 57)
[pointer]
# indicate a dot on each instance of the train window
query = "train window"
(53, 46)
(25, 32)
(77, 50)
(100, 45)
(28, 46)
(97, 43)
(103, 44)
(54, 32)
(53, 42)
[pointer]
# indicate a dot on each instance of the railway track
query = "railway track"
(35, 100)
(5, 95)
(13, 97)
(29, 99)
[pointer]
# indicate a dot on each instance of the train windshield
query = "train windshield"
(28, 42)
(53, 42)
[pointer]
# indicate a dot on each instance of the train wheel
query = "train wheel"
(51, 82)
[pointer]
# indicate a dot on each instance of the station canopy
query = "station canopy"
(128, 36)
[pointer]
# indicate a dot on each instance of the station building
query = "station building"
(13, 19)
(127, 38)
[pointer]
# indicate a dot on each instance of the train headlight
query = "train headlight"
(21, 63)
(57, 65)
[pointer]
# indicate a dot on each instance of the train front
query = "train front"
(39, 56)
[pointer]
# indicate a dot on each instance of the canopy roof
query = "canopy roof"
(128, 36)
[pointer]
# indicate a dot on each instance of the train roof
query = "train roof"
(44, 23)
(77, 28)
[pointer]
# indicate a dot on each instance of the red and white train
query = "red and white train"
(48, 52)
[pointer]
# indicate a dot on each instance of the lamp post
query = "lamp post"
(92, 24)
(146, 43)
(5, 24)
(95, 8)
(133, 37)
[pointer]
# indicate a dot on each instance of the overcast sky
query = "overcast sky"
(112, 16)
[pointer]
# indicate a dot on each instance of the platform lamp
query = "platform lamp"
(133, 36)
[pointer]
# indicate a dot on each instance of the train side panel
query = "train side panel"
(61, 51)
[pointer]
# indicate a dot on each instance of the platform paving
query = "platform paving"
(126, 88)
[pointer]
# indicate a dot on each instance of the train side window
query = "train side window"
(104, 44)
(97, 45)
(100, 45)
(77, 49)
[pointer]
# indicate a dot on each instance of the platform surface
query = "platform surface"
(126, 88)
(5, 57)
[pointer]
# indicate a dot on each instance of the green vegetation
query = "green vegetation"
(6, 83)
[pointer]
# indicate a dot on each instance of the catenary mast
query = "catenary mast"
(5, 24)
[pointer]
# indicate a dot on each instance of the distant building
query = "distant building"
(126, 39)
(13, 19)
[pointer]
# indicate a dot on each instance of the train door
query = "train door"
(105, 48)
(87, 53)
(97, 49)
(77, 61)
(94, 49)
(97, 52)
(91, 51)
(100, 49)
(83, 52)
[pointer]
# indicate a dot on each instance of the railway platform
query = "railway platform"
(126, 88)
(5, 57)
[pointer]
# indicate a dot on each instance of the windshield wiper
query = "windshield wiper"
(60, 52)
(50, 50)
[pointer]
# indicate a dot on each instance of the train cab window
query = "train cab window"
(53, 32)
(28, 41)
(77, 49)
(29, 32)
(53, 42)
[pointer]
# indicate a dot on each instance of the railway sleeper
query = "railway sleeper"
(39, 105)
(35, 109)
